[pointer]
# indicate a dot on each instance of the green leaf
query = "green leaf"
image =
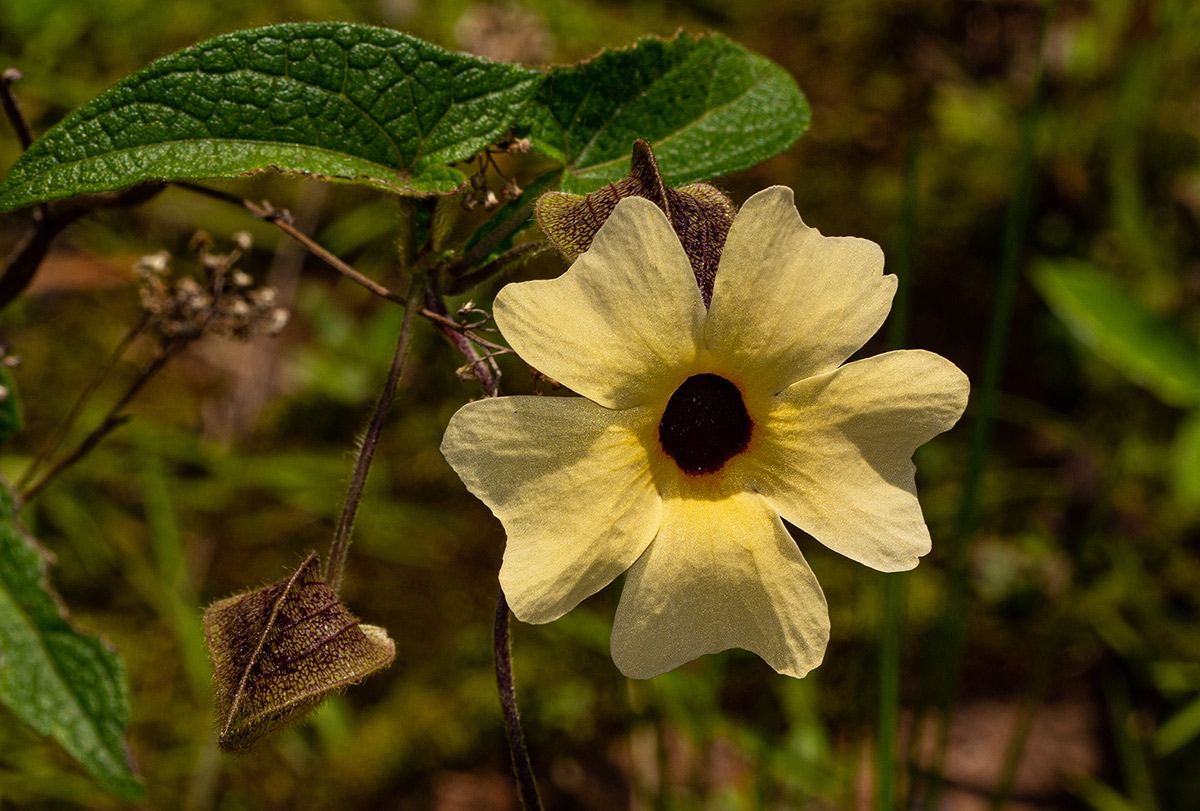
(336, 101)
(707, 106)
(61, 682)
(1147, 348)
(1185, 463)
(10, 406)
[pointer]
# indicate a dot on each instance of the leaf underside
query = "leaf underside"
(363, 104)
(61, 682)
(279, 651)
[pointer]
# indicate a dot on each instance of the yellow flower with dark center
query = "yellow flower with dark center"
(698, 429)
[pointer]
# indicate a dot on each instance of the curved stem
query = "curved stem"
(502, 648)
(60, 432)
(113, 420)
(340, 547)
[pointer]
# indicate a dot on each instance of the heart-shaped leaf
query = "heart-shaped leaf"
(279, 651)
(331, 100)
(707, 104)
(61, 682)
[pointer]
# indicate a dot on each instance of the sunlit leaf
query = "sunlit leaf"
(1147, 348)
(61, 682)
(700, 214)
(279, 651)
(331, 100)
(708, 105)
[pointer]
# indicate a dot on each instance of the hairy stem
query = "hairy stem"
(340, 547)
(502, 648)
(485, 246)
(484, 369)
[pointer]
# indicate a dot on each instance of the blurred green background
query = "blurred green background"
(1073, 565)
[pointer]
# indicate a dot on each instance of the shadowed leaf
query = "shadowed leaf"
(280, 650)
(700, 214)
(61, 682)
(708, 105)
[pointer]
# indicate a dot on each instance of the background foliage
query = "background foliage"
(1078, 573)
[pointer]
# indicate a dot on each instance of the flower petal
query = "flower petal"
(788, 302)
(721, 573)
(836, 453)
(620, 320)
(570, 481)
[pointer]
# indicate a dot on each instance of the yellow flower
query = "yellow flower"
(698, 429)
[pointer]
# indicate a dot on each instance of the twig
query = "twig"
(463, 329)
(11, 110)
(502, 648)
(280, 220)
(484, 369)
(111, 422)
(340, 547)
(55, 438)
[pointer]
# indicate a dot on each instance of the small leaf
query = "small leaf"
(279, 651)
(707, 104)
(337, 101)
(10, 406)
(1148, 349)
(61, 682)
(700, 214)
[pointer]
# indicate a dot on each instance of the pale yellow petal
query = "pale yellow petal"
(720, 574)
(570, 482)
(622, 322)
(835, 456)
(789, 303)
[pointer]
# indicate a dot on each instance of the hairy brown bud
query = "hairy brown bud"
(700, 214)
(279, 651)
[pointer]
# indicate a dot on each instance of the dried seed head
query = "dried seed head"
(153, 264)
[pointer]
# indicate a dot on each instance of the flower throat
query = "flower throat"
(705, 424)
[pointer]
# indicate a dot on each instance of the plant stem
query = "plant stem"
(280, 219)
(112, 420)
(892, 598)
(55, 438)
(11, 110)
(518, 218)
(952, 634)
(502, 648)
(340, 547)
(484, 369)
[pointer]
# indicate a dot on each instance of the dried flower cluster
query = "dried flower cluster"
(479, 193)
(228, 304)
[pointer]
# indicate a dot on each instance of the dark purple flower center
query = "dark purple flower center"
(705, 424)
